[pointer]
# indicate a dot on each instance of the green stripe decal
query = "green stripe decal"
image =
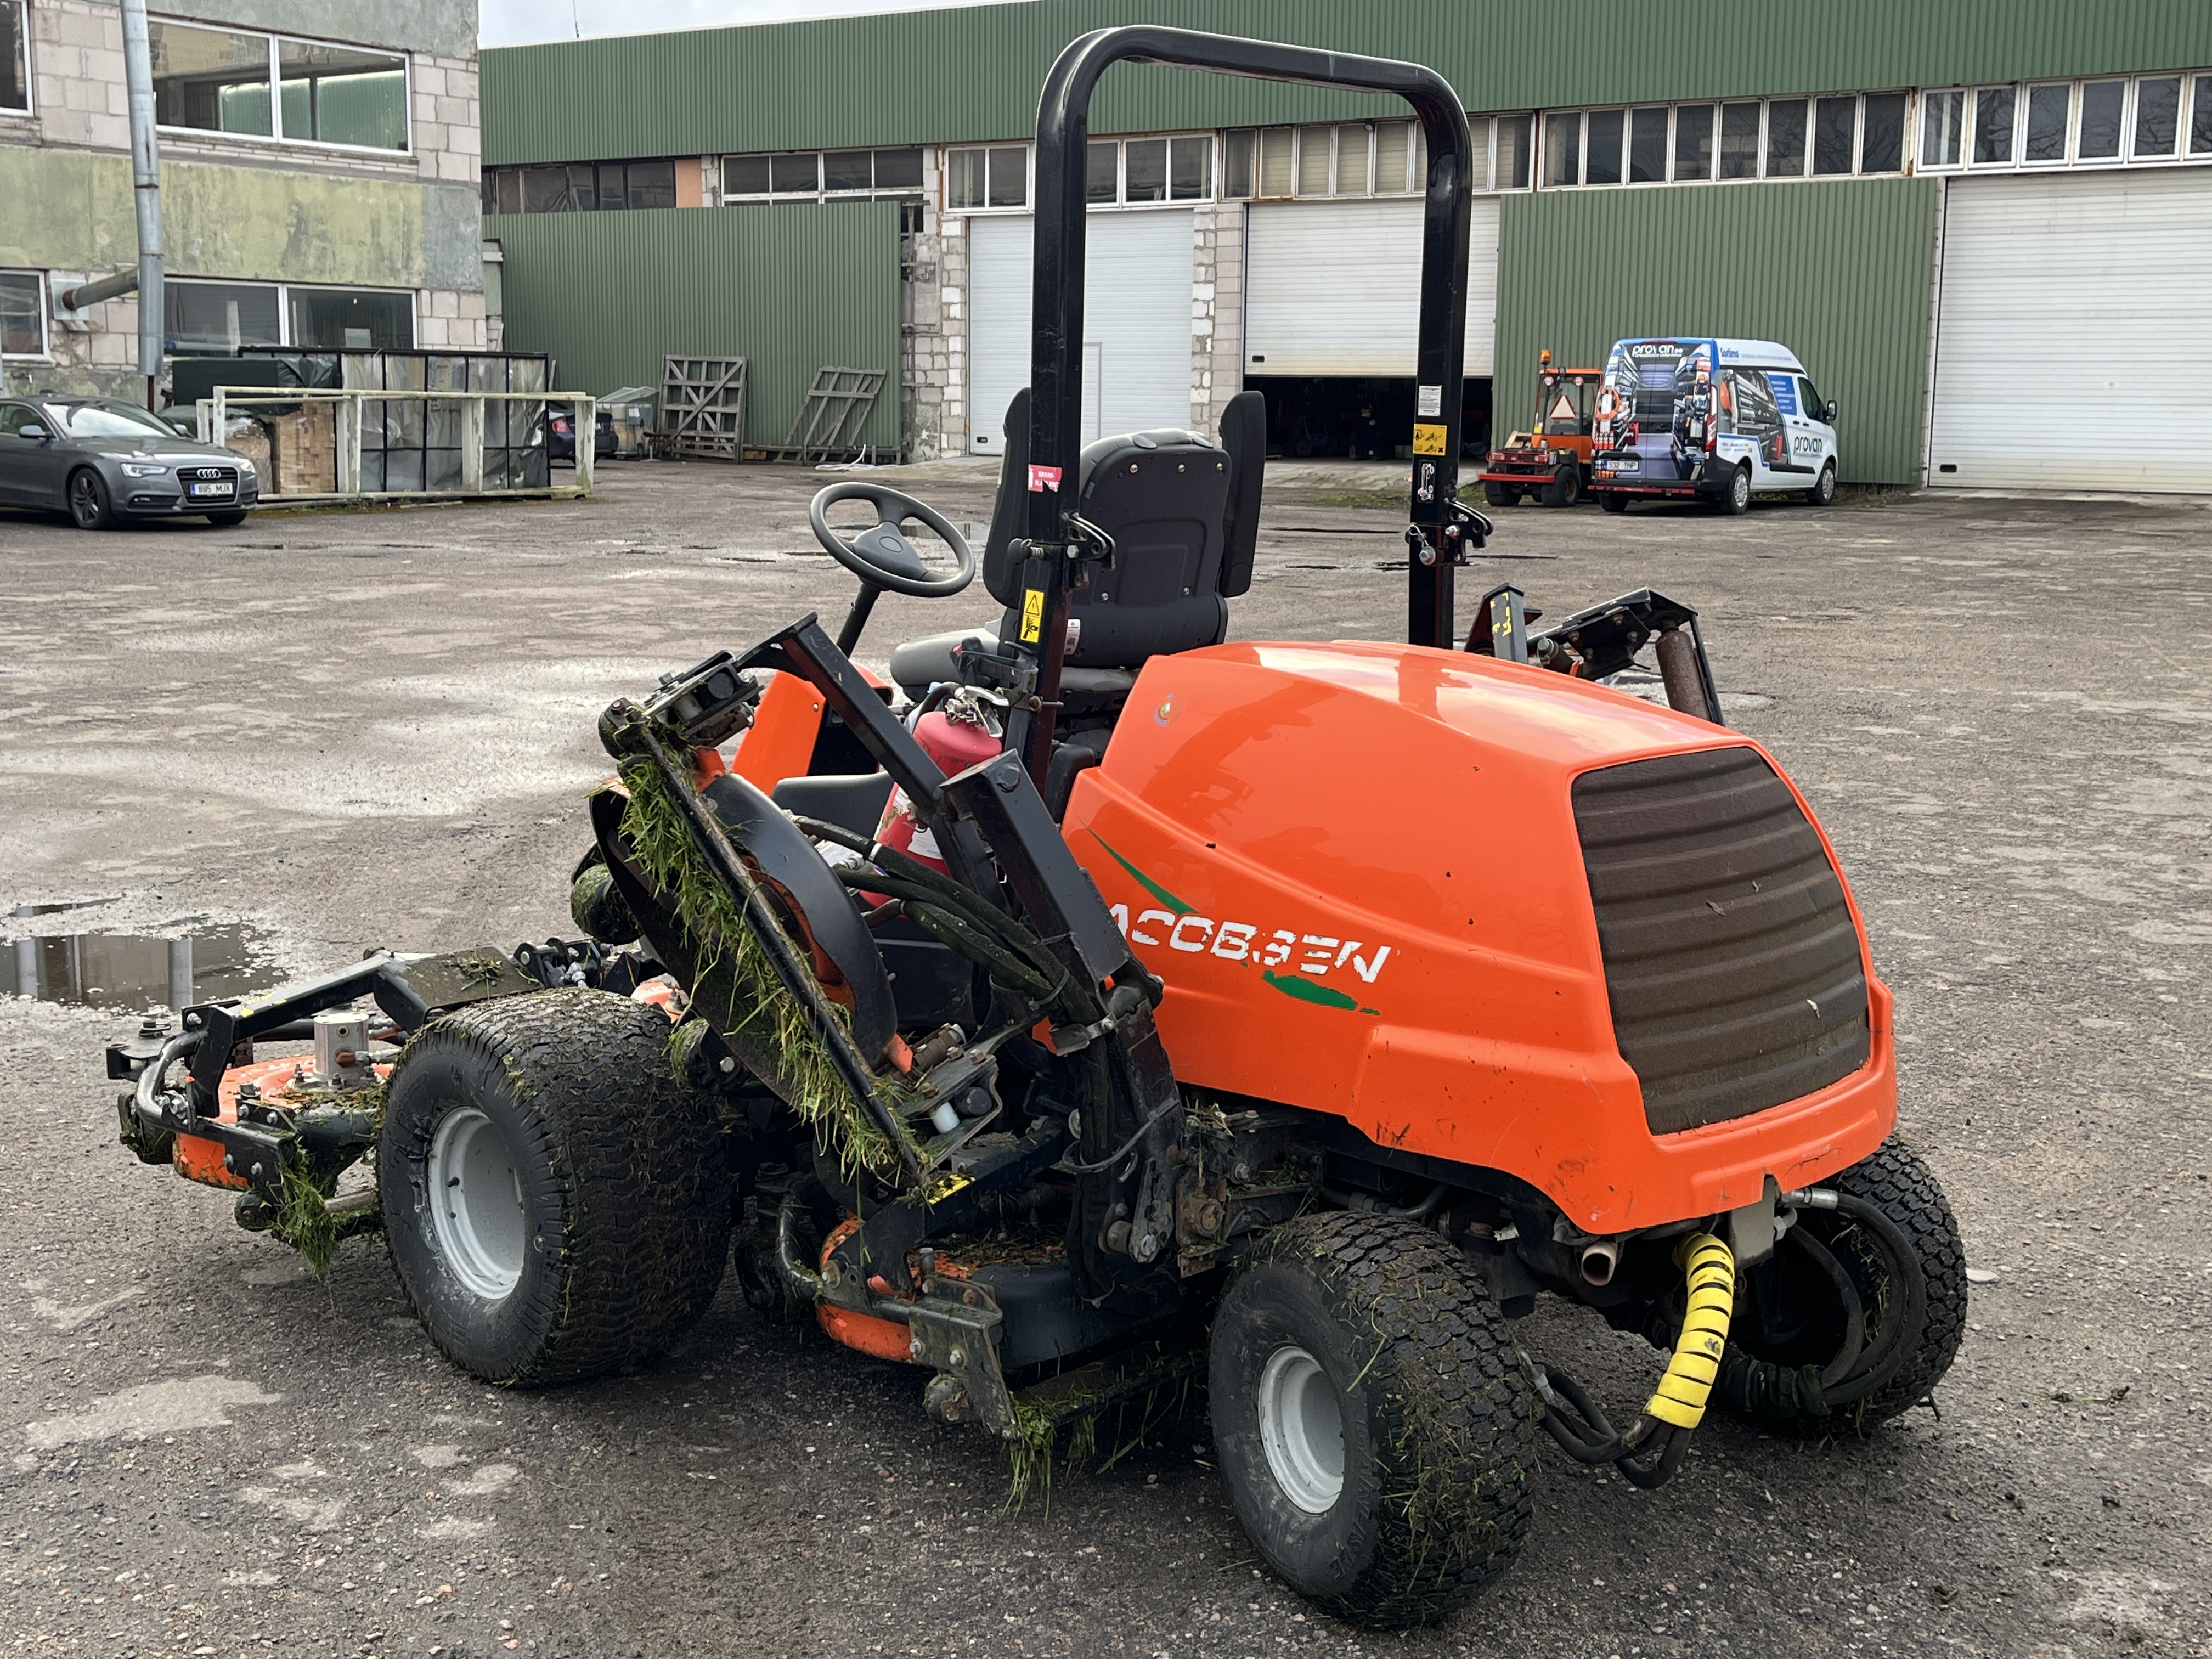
(1147, 883)
(1306, 990)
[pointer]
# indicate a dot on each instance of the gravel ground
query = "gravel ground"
(355, 729)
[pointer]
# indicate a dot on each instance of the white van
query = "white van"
(1717, 418)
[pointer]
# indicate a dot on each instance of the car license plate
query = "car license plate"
(200, 490)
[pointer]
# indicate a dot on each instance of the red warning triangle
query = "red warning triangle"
(1564, 409)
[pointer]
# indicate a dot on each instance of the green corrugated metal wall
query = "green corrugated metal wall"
(1841, 273)
(973, 72)
(787, 288)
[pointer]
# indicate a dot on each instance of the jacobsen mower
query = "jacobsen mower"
(1103, 1003)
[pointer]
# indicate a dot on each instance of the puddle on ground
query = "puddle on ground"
(133, 971)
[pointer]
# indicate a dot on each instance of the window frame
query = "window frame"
(1487, 130)
(284, 292)
(277, 135)
(725, 196)
(1029, 179)
(45, 351)
(1217, 164)
(30, 105)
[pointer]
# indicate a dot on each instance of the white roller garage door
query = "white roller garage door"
(2068, 303)
(1334, 288)
(1136, 323)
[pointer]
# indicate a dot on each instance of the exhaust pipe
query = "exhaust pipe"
(1599, 1259)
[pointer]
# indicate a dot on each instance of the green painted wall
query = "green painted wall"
(69, 210)
(973, 72)
(1841, 273)
(787, 288)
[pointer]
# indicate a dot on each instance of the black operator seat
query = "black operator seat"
(1184, 515)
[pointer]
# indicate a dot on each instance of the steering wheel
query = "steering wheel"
(881, 555)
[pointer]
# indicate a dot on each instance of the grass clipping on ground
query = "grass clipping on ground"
(729, 959)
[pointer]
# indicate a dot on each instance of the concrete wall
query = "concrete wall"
(242, 209)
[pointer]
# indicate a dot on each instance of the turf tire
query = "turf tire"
(1898, 1184)
(625, 1190)
(1565, 489)
(1439, 1417)
(1499, 494)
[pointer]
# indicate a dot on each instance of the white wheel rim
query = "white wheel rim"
(1302, 1430)
(475, 1203)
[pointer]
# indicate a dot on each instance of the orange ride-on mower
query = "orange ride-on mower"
(1102, 1004)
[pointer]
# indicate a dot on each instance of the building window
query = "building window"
(1369, 158)
(1882, 135)
(580, 187)
(1993, 113)
(1785, 138)
(23, 314)
(2048, 108)
(1738, 141)
(1693, 142)
(262, 86)
(982, 178)
(2158, 118)
(1603, 138)
(15, 58)
(2061, 123)
(219, 318)
(1134, 171)
(1941, 123)
(1835, 135)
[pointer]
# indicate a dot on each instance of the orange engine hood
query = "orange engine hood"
(1357, 869)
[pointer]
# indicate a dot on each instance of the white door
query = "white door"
(1334, 288)
(1136, 322)
(2069, 305)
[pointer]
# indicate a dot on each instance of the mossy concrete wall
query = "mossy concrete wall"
(69, 210)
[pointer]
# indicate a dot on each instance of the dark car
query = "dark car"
(561, 435)
(104, 462)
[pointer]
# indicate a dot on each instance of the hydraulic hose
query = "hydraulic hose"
(1660, 1435)
(1683, 1390)
(150, 1079)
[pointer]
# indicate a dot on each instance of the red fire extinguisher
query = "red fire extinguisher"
(956, 738)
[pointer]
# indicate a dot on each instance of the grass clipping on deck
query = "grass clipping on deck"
(712, 919)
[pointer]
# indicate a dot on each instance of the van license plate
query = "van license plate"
(1621, 463)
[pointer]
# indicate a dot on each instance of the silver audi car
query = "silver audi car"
(104, 463)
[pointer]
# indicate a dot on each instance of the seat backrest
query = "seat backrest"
(1174, 505)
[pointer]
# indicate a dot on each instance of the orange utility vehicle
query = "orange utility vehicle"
(1552, 460)
(1103, 1002)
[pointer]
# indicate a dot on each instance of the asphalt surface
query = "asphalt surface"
(347, 730)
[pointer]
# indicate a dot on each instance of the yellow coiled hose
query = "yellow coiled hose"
(1680, 1397)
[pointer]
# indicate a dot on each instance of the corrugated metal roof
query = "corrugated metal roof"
(973, 72)
(1840, 272)
(790, 289)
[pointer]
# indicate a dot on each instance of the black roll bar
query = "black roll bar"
(1056, 349)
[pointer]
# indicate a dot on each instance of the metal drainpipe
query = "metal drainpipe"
(146, 192)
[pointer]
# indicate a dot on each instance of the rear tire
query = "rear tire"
(89, 505)
(1565, 489)
(1736, 502)
(1905, 1193)
(1499, 494)
(1376, 1426)
(555, 1201)
(1614, 503)
(1823, 494)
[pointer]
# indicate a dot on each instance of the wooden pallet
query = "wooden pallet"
(830, 421)
(702, 407)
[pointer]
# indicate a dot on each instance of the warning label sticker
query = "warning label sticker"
(1428, 438)
(1428, 401)
(1044, 478)
(1032, 615)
